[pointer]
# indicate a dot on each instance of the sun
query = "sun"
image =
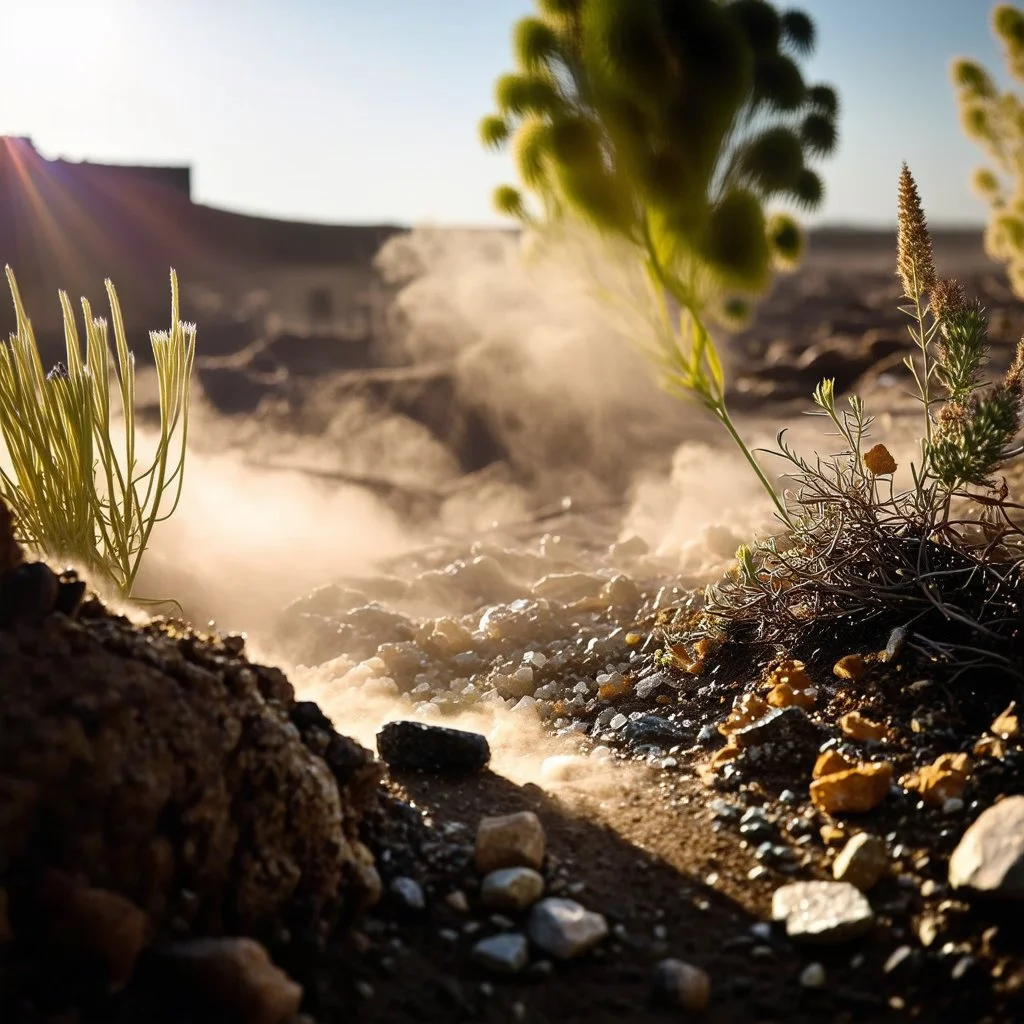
(55, 40)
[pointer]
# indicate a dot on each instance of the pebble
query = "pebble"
(457, 901)
(822, 913)
(655, 731)
(409, 893)
(989, 858)
(813, 976)
(682, 984)
(507, 953)
(511, 889)
(862, 861)
(416, 746)
(783, 736)
(234, 977)
(509, 841)
(565, 929)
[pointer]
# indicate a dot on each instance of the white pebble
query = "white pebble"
(812, 976)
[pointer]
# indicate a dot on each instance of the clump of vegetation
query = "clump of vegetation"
(941, 559)
(668, 128)
(76, 493)
(995, 120)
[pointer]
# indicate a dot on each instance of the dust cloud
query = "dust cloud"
(576, 408)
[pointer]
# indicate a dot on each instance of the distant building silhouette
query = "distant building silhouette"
(68, 225)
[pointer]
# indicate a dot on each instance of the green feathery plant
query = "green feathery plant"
(949, 550)
(667, 128)
(75, 493)
(995, 120)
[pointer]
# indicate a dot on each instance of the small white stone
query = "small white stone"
(813, 976)
(409, 892)
(564, 929)
(507, 953)
(511, 889)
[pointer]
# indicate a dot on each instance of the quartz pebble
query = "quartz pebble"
(511, 889)
(564, 929)
(508, 841)
(504, 954)
(990, 857)
(862, 861)
(822, 912)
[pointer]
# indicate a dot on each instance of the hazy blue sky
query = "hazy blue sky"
(366, 110)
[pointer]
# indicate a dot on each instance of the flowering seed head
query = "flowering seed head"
(914, 260)
(1014, 379)
(879, 462)
(947, 297)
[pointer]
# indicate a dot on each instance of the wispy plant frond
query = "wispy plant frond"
(75, 491)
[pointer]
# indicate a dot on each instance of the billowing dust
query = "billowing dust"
(579, 414)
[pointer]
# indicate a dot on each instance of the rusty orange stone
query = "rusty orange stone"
(830, 763)
(615, 691)
(724, 756)
(791, 672)
(855, 726)
(783, 695)
(945, 779)
(855, 791)
(1007, 725)
(990, 746)
(879, 461)
(832, 835)
(852, 667)
(745, 711)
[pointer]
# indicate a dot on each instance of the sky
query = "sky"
(365, 111)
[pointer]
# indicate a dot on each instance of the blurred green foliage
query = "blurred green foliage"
(995, 120)
(670, 124)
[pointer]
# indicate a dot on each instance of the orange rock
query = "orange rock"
(830, 763)
(745, 711)
(990, 746)
(855, 726)
(724, 756)
(852, 666)
(792, 672)
(1007, 725)
(783, 695)
(832, 835)
(945, 779)
(854, 791)
(879, 461)
(615, 691)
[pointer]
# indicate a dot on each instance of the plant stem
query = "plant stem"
(722, 414)
(925, 383)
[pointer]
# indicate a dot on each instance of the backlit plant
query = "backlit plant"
(77, 493)
(995, 120)
(668, 128)
(941, 559)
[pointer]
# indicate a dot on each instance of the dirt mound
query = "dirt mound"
(155, 786)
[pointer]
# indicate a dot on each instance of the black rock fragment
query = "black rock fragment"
(414, 746)
(654, 731)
